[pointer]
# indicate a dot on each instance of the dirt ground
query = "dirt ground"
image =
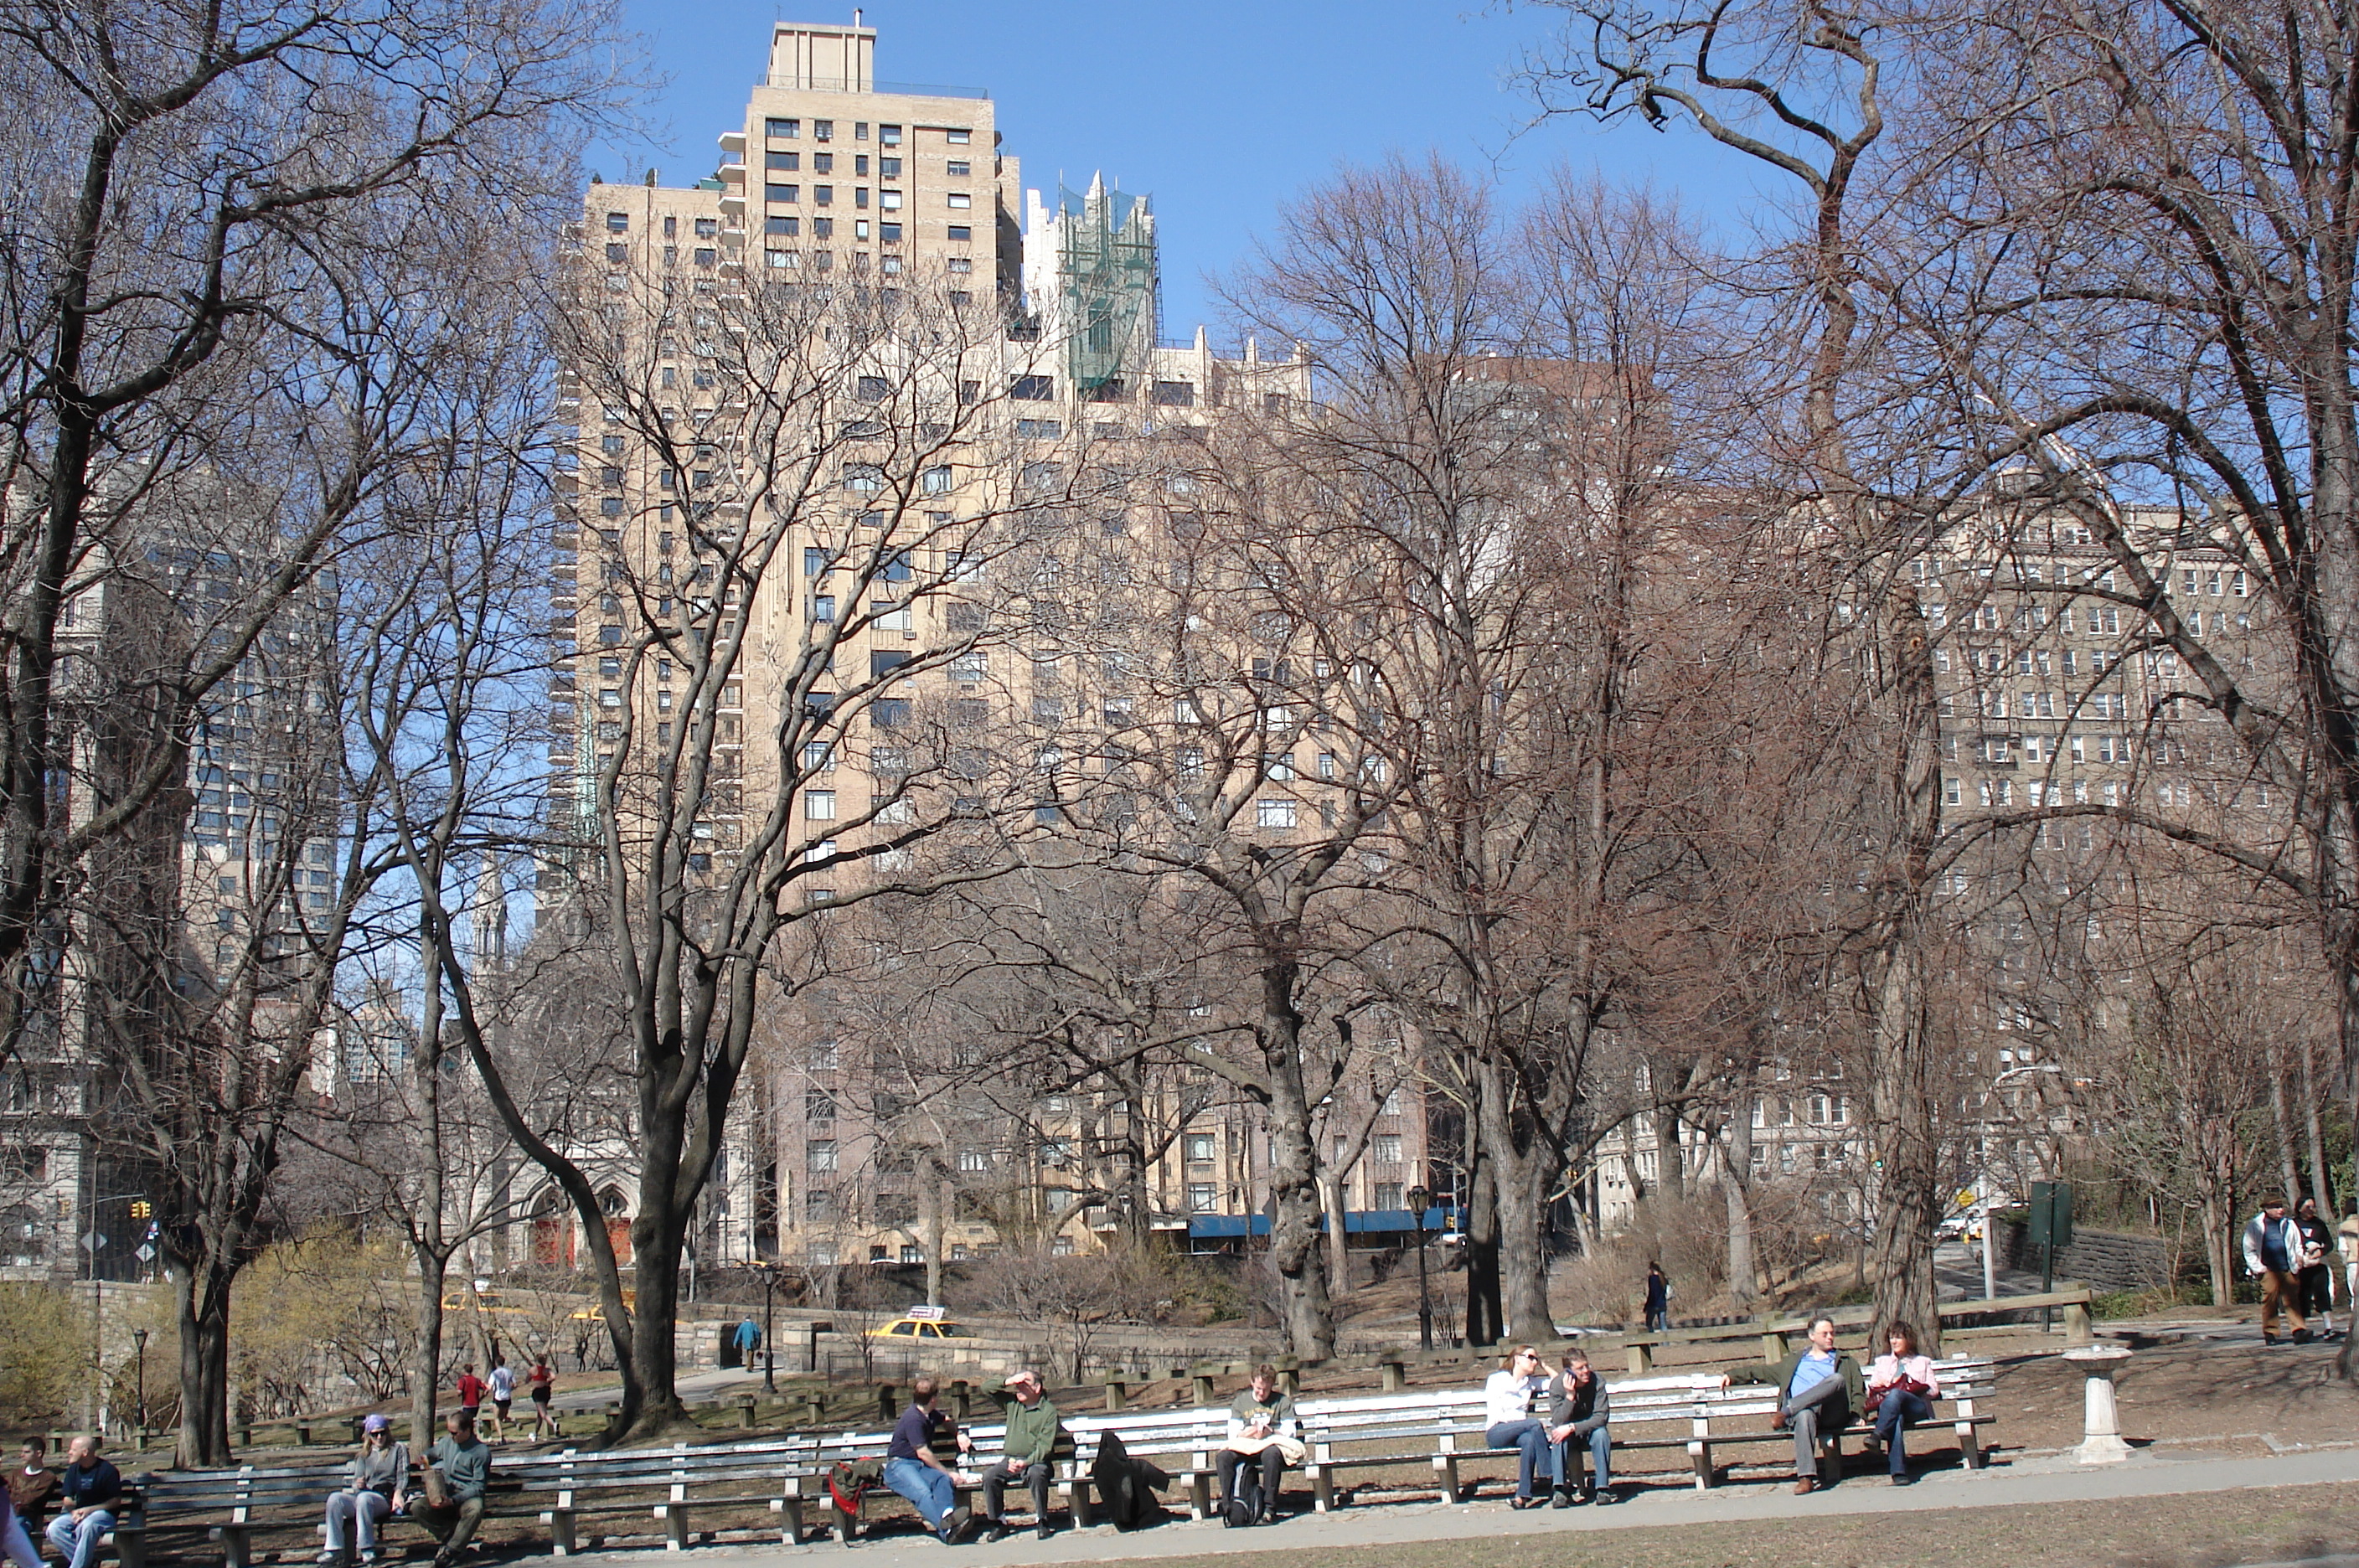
(2201, 1531)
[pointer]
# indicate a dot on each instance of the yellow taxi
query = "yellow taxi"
(922, 1323)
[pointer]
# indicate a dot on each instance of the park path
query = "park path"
(2029, 1481)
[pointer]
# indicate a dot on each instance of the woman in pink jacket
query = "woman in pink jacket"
(1899, 1390)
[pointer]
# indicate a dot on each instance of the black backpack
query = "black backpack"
(1126, 1487)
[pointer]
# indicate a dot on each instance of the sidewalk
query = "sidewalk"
(2038, 1482)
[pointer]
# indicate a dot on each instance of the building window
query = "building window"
(786, 130)
(1203, 1198)
(820, 1204)
(960, 231)
(819, 1154)
(819, 1105)
(1274, 813)
(1386, 1147)
(1389, 1196)
(956, 137)
(1198, 1148)
(782, 193)
(823, 195)
(618, 223)
(1033, 388)
(819, 805)
(1174, 393)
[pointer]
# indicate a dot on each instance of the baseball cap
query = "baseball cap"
(377, 1423)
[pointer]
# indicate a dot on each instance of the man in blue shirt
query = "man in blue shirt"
(87, 1494)
(911, 1469)
(1818, 1388)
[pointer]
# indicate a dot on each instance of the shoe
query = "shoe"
(331, 1555)
(1043, 1531)
(956, 1526)
(1604, 1498)
(444, 1558)
(995, 1534)
(369, 1557)
(1905, 1478)
(1561, 1499)
(1525, 1502)
(1804, 1486)
(2268, 1339)
(2301, 1336)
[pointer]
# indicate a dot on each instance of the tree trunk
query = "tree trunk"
(202, 1297)
(1521, 1174)
(936, 1186)
(658, 1241)
(2215, 1253)
(2288, 1168)
(1339, 1254)
(426, 1363)
(1482, 1249)
(1305, 1317)
(1736, 1169)
(2321, 1177)
(1907, 1190)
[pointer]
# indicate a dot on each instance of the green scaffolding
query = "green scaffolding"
(1106, 272)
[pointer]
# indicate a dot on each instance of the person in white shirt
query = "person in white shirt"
(1510, 1396)
(503, 1397)
(1899, 1390)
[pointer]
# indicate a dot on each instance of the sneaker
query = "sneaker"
(329, 1555)
(956, 1524)
(995, 1534)
(2268, 1339)
(1560, 1498)
(1604, 1498)
(1043, 1531)
(2301, 1336)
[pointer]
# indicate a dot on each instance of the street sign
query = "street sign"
(145, 1254)
(93, 1241)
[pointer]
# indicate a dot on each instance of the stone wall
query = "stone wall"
(2104, 1260)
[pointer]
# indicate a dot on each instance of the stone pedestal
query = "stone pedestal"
(2101, 1424)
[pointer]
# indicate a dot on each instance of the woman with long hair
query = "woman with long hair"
(1899, 1390)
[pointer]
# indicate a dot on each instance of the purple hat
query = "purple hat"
(377, 1423)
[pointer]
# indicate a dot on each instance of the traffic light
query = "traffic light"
(141, 1208)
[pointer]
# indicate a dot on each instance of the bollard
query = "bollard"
(1115, 1392)
(962, 1399)
(745, 1410)
(887, 1406)
(1203, 1381)
(1641, 1360)
(1290, 1377)
(1395, 1376)
(2101, 1422)
(814, 1409)
(302, 1434)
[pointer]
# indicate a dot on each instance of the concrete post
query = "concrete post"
(1395, 1376)
(1115, 1393)
(2101, 1424)
(1203, 1381)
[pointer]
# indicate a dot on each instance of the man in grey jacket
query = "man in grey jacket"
(1578, 1414)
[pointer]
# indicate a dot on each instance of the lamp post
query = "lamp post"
(770, 1344)
(139, 1339)
(1418, 1198)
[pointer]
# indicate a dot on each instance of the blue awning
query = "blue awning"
(1356, 1222)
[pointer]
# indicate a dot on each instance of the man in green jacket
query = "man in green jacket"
(1818, 1387)
(1034, 1432)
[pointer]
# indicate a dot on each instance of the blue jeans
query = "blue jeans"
(1601, 1468)
(78, 1543)
(1891, 1416)
(1534, 1452)
(924, 1485)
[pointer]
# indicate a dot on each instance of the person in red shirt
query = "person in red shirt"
(471, 1391)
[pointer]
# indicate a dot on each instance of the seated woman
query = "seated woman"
(1262, 1441)
(380, 1477)
(1509, 1395)
(1899, 1390)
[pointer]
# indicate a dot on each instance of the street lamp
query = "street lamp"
(139, 1338)
(769, 1343)
(1418, 1198)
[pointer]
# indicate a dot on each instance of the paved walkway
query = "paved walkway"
(2025, 1481)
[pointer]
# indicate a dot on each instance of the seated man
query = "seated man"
(87, 1493)
(912, 1469)
(464, 1465)
(1261, 1439)
(1578, 1412)
(1034, 1435)
(1818, 1387)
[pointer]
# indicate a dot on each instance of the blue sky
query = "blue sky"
(1222, 110)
